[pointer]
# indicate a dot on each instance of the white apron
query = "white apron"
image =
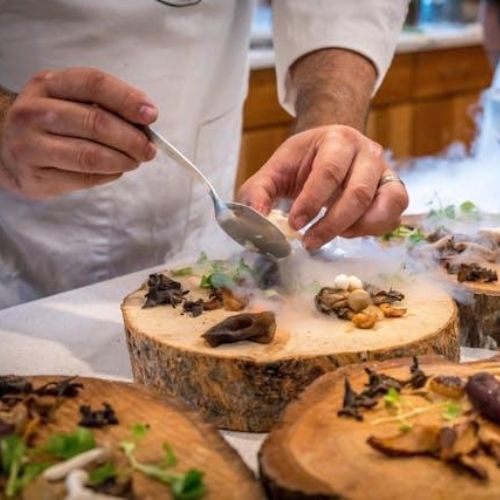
(192, 62)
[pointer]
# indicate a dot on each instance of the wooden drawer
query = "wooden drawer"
(397, 85)
(262, 108)
(451, 70)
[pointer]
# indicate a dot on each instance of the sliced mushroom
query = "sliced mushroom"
(76, 487)
(418, 441)
(61, 470)
(390, 311)
(458, 440)
(257, 327)
(448, 386)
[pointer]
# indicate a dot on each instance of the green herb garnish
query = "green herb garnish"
(15, 466)
(66, 446)
(182, 271)
(452, 411)
(139, 430)
(102, 474)
(392, 398)
(184, 486)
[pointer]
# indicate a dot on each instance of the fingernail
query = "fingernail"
(299, 222)
(312, 243)
(150, 152)
(148, 113)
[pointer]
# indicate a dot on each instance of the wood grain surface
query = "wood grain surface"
(313, 453)
(245, 386)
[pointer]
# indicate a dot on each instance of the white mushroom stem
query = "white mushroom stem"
(75, 486)
(61, 470)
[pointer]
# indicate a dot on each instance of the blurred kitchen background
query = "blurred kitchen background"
(429, 99)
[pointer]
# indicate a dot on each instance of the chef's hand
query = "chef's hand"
(73, 129)
(335, 167)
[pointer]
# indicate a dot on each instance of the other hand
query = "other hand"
(335, 167)
(73, 129)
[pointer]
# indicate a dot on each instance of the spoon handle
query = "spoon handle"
(170, 150)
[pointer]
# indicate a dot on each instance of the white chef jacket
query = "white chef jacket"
(193, 63)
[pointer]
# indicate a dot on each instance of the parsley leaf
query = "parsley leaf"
(468, 207)
(66, 446)
(102, 474)
(452, 411)
(392, 398)
(139, 430)
(182, 271)
(169, 460)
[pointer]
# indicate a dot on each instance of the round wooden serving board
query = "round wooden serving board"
(479, 316)
(195, 443)
(245, 386)
(313, 453)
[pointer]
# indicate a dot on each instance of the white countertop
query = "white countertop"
(80, 332)
(430, 37)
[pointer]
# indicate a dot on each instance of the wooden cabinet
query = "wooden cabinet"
(426, 102)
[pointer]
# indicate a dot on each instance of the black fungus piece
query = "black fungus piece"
(353, 403)
(163, 290)
(379, 384)
(97, 418)
(65, 388)
(257, 327)
(10, 385)
(116, 488)
(418, 378)
(266, 273)
(193, 308)
(483, 390)
(474, 272)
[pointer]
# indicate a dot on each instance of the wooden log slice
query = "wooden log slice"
(196, 443)
(245, 386)
(314, 453)
(479, 314)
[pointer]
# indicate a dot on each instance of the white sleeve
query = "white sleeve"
(369, 27)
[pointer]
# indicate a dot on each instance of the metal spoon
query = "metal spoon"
(242, 223)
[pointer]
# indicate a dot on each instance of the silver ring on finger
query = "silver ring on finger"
(385, 179)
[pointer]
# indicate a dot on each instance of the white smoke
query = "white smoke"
(457, 176)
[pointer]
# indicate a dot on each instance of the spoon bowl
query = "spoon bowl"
(242, 223)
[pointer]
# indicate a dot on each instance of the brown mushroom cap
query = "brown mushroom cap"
(257, 327)
(358, 300)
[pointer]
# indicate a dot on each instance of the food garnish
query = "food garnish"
(460, 427)
(97, 418)
(187, 486)
(363, 306)
(257, 327)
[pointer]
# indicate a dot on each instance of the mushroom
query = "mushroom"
(420, 440)
(390, 311)
(458, 440)
(257, 327)
(385, 297)
(448, 386)
(341, 282)
(355, 283)
(75, 486)
(61, 470)
(329, 300)
(491, 233)
(358, 300)
(483, 390)
(364, 320)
